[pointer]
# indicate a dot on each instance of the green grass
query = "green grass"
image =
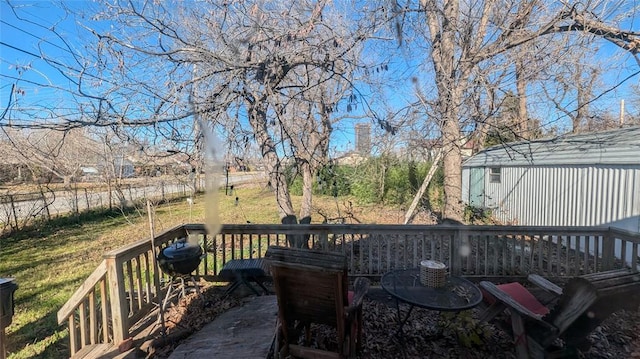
(50, 261)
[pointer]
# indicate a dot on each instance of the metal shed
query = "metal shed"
(572, 180)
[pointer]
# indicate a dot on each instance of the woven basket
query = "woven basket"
(432, 273)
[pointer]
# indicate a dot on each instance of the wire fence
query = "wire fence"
(19, 210)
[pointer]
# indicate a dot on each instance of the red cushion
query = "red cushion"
(521, 295)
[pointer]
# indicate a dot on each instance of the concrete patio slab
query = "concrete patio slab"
(242, 332)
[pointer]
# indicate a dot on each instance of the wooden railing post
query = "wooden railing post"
(117, 299)
(608, 250)
(454, 252)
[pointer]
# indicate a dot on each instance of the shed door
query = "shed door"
(476, 187)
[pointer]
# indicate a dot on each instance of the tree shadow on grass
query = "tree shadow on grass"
(43, 229)
(35, 340)
(28, 337)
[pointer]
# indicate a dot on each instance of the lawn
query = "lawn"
(50, 262)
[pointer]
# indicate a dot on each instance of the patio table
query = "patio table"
(404, 285)
(245, 271)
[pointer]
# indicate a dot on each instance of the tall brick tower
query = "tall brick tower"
(363, 138)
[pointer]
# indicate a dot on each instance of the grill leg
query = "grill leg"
(248, 284)
(170, 293)
(182, 286)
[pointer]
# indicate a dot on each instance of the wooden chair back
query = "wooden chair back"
(312, 287)
(577, 297)
(581, 305)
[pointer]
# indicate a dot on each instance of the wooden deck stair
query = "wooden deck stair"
(144, 331)
(103, 351)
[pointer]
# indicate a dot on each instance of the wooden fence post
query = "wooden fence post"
(76, 205)
(3, 338)
(86, 198)
(118, 300)
(110, 196)
(14, 212)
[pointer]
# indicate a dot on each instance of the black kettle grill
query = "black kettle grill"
(180, 259)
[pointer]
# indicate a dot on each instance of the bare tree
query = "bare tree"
(112, 154)
(61, 154)
(245, 67)
(275, 73)
(465, 36)
(254, 70)
(575, 77)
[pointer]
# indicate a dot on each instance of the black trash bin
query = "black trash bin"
(7, 288)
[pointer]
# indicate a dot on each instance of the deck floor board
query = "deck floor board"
(102, 351)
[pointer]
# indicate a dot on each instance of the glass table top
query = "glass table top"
(457, 294)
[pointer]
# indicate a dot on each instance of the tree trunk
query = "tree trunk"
(307, 190)
(258, 120)
(66, 180)
(452, 160)
(584, 93)
(521, 85)
(383, 176)
(297, 240)
(449, 94)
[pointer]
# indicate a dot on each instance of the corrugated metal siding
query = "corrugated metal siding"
(564, 196)
(614, 147)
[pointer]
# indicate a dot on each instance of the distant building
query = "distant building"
(590, 179)
(350, 159)
(123, 168)
(426, 150)
(363, 138)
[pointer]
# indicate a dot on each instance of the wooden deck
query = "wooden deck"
(126, 286)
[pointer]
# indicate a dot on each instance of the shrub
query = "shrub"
(294, 180)
(477, 214)
(397, 186)
(333, 181)
(464, 329)
(384, 179)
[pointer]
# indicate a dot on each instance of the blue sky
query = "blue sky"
(23, 40)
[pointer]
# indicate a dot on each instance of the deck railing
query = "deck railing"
(126, 287)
